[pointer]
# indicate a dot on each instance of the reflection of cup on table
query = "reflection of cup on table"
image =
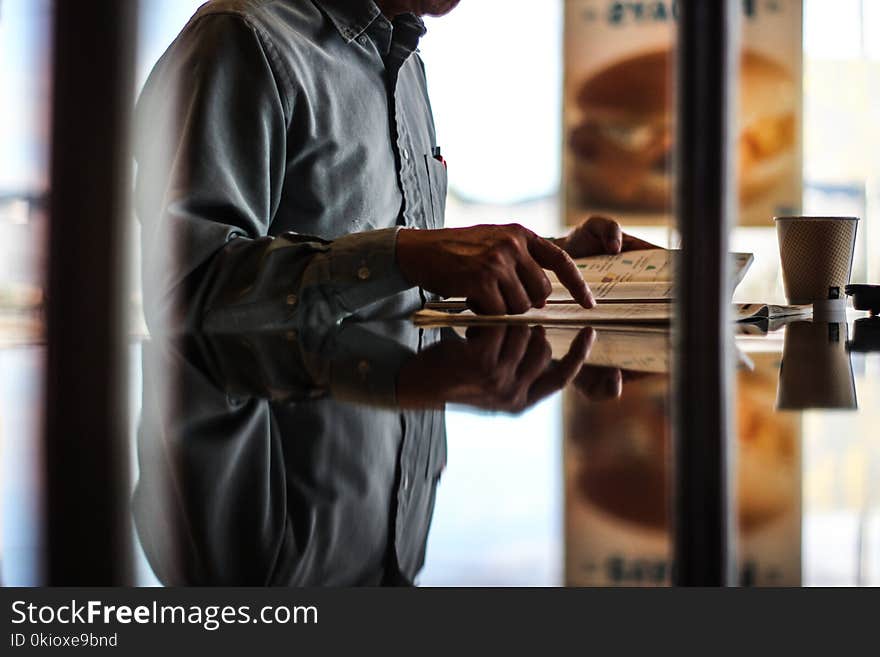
(816, 370)
(817, 257)
(866, 336)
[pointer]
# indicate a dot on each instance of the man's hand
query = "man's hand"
(600, 236)
(499, 269)
(500, 368)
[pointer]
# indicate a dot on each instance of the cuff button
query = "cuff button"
(363, 273)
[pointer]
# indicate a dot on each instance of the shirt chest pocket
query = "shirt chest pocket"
(437, 183)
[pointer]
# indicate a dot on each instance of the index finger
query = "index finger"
(551, 257)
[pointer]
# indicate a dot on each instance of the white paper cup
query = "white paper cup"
(817, 257)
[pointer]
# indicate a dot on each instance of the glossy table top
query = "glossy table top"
(381, 453)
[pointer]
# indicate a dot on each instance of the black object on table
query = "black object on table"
(865, 297)
(866, 335)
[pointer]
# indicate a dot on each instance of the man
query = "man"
(289, 176)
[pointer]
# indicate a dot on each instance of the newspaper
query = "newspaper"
(556, 314)
(635, 287)
(562, 314)
(646, 276)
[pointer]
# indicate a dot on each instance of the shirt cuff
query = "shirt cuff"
(364, 268)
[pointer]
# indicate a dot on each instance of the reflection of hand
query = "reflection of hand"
(504, 368)
(604, 383)
(599, 383)
(600, 236)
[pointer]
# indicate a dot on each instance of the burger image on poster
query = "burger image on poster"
(620, 147)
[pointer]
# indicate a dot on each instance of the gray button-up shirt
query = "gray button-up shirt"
(281, 144)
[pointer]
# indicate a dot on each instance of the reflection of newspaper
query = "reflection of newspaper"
(644, 349)
(641, 348)
(764, 327)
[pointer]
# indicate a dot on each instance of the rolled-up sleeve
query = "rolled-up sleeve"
(211, 148)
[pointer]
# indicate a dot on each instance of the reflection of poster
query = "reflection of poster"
(618, 122)
(618, 483)
(769, 479)
(616, 487)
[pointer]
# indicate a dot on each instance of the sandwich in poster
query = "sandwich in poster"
(619, 119)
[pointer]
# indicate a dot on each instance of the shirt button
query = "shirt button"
(362, 41)
(405, 482)
(291, 299)
(405, 153)
(364, 273)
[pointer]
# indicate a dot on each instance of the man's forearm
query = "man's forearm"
(290, 281)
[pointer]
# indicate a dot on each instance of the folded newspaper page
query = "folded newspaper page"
(645, 276)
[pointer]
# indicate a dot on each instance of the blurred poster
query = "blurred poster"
(615, 459)
(769, 479)
(619, 484)
(618, 121)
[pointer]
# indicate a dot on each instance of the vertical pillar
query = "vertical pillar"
(706, 77)
(85, 434)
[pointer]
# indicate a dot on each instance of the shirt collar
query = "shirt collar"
(353, 17)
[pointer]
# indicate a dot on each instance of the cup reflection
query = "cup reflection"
(866, 336)
(816, 371)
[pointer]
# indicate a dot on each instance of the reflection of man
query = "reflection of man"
(262, 473)
(313, 459)
(287, 154)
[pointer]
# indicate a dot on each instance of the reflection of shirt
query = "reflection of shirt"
(260, 474)
(281, 145)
